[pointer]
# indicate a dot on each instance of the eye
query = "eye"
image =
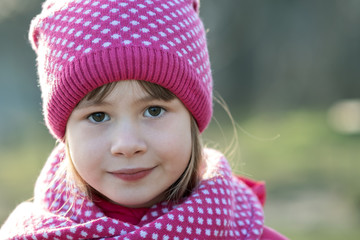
(154, 111)
(99, 117)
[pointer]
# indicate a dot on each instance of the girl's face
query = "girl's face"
(130, 147)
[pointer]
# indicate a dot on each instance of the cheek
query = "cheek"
(177, 146)
(84, 154)
(83, 141)
(87, 165)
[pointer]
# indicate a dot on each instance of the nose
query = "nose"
(127, 140)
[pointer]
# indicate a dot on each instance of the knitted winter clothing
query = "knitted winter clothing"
(83, 44)
(222, 207)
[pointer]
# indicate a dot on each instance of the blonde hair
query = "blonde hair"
(182, 187)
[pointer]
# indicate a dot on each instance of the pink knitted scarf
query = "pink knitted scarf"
(222, 207)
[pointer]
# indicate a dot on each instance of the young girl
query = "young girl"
(127, 90)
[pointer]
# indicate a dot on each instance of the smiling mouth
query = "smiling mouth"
(133, 174)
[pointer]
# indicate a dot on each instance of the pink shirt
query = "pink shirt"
(121, 213)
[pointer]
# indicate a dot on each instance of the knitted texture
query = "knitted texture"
(222, 207)
(84, 44)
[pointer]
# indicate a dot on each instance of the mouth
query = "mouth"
(132, 174)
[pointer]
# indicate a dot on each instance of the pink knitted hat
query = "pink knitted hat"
(84, 44)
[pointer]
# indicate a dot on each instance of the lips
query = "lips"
(132, 174)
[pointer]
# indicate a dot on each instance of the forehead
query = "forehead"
(105, 93)
(152, 89)
(142, 90)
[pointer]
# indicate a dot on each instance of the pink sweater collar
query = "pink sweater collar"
(121, 213)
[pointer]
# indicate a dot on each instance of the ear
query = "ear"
(196, 5)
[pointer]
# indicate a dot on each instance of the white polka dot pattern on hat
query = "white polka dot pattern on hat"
(221, 208)
(155, 26)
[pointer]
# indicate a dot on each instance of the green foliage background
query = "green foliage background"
(311, 172)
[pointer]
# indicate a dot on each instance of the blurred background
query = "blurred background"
(289, 71)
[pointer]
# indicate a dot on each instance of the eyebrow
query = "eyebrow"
(149, 98)
(90, 103)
